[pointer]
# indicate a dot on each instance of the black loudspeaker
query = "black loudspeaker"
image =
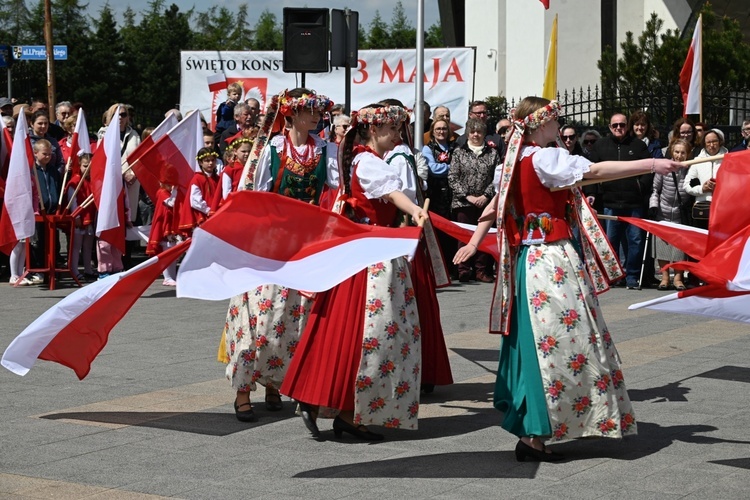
(344, 37)
(305, 40)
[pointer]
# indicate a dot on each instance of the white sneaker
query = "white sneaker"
(36, 279)
(169, 283)
(17, 281)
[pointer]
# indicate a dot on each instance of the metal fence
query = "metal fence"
(724, 107)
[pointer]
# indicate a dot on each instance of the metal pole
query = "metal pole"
(10, 94)
(419, 100)
(347, 67)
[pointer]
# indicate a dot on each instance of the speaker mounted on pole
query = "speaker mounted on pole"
(306, 40)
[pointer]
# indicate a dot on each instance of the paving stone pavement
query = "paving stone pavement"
(154, 417)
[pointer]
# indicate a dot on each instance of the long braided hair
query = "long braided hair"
(358, 133)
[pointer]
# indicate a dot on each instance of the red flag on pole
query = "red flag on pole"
(691, 80)
(545, 3)
(178, 148)
(217, 82)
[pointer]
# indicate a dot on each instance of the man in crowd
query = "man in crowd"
(478, 109)
(745, 142)
(245, 117)
(624, 197)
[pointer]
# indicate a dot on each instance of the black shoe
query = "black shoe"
(428, 388)
(339, 427)
(244, 415)
(307, 417)
(273, 402)
(524, 451)
(464, 277)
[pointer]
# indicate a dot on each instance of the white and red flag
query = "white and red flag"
(106, 183)
(217, 82)
(76, 329)
(17, 218)
(258, 238)
(6, 142)
(165, 126)
(691, 76)
(463, 233)
(178, 148)
(80, 142)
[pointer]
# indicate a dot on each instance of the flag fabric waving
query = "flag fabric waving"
(17, 218)
(691, 79)
(106, 183)
(691, 240)
(549, 91)
(165, 126)
(5, 146)
(545, 3)
(257, 238)
(217, 82)
(80, 142)
(76, 329)
(177, 147)
(463, 232)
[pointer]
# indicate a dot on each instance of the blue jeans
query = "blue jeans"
(630, 237)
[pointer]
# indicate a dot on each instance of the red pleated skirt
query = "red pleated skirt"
(324, 368)
(436, 368)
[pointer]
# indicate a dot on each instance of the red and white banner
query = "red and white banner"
(217, 82)
(691, 240)
(380, 74)
(178, 148)
(463, 233)
(76, 329)
(17, 218)
(691, 80)
(106, 183)
(165, 126)
(258, 238)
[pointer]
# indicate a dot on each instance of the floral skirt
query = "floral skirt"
(361, 349)
(262, 332)
(559, 374)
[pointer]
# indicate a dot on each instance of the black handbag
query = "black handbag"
(686, 215)
(701, 210)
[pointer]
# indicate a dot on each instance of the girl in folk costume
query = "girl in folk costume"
(85, 227)
(201, 189)
(427, 269)
(264, 325)
(229, 180)
(369, 323)
(559, 374)
(164, 225)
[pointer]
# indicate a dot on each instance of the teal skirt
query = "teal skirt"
(519, 392)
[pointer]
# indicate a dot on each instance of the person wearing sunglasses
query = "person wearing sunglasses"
(625, 197)
(480, 111)
(569, 138)
(745, 142)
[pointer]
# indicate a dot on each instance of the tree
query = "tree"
(378, 36)
(241, 36)
(268, 33)
(433, 38)
(14, 22)
(106, 70)
(213, 29)
(403, 35)
(70, 27)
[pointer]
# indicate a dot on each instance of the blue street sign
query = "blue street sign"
(39, 52)
(6, 59)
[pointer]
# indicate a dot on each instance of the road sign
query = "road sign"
(39, 52)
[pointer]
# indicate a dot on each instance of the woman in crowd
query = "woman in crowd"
(369, 323)
(639, 126)
(700, 180)
(263, 326)
(668, 202)
(559, 374)
(437, 154)
(39, 127)
(684, 128)
(470, 178)
(569, 137)
(341, 124)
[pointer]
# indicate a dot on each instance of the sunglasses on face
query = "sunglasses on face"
(569, 137)
(589, 142)
(124, 115)
(502, 130)
(618, 125)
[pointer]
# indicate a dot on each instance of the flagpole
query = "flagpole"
(65, 180)
(700, 71)
(38, 189)
(83, 176)
(589, 182)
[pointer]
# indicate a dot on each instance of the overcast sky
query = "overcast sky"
(366, 8)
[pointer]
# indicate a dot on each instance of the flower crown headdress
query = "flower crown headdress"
(239, 141)
(210, 154)
(542, 115)
(382, 115)
(288, 104)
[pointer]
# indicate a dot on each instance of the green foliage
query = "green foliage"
(433, 38)
(268, 33)
(403, 35)
(378, 36)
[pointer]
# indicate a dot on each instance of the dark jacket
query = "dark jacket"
(629, 193)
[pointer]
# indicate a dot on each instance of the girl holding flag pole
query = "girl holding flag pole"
(368, 323)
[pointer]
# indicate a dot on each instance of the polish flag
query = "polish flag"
(463, 233)
(106, 183)
(691, 79)
(177, 147)
(691, 240)
(165, 126)
(80, 142)
(17, 218)
(76, 329)
(217, 82)
(258, 237)
(545, 3)
(726, 269)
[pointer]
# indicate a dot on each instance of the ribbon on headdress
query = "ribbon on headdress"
(288, 105)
